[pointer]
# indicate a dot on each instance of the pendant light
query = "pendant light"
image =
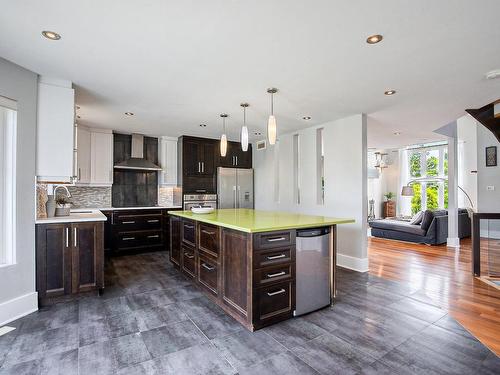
(244, 129)
(271, 123)
(223, 137)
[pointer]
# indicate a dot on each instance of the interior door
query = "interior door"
(244, 188)
(226, 187)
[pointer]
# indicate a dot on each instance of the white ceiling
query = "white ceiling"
(177, 64)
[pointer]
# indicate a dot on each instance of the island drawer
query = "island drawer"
(273, 274)
(271, 257)
(188, 232)
(208, 239)
(274, 239)
(273, 302)
(208, 272)
(188, 261)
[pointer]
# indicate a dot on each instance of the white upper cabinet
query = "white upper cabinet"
(55, 131)
(101, 161)
(83, 155)
(95, 157)
(168, 161)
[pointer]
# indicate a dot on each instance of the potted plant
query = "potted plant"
(389, 196)
(63, 206)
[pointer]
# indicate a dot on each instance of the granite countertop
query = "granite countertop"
(76, 216)
(129, 208)
(253, 221)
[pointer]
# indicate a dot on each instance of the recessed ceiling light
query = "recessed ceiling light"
(51, 35)
(374, 39)
(203, 125)
(129, 113)
(493, 74)
(390, 92)
(307, 118)
(397, 133)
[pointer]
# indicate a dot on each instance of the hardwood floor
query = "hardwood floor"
(443, 276)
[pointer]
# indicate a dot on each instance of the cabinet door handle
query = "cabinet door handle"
(208, 232)
(128, 222)
(207, 267)
(273, 257)
(188, 226)
(271, 275)
(281, 291)
(276, 239)
(128, 238)
(75, 231)
(67, 237)
(79, 173)
(153, 221)
(236, 160)
(199, 167)
(189, 256)
(202, 167)
(154, 236)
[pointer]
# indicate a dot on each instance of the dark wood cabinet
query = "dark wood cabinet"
(69, 258)
(389, 209)
(235, 156)
(250, 276)
(198, 159)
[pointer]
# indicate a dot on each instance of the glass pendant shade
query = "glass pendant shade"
(271, 130)
(244, 138)
(223, 145)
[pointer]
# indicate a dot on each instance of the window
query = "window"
(8, 122)
(320, 162)
(427, 163)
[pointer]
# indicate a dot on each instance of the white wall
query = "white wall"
(467, 159)
(345, 181)
(17, 282)
(388, 180)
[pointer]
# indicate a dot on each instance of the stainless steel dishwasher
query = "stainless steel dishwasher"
(312, 270)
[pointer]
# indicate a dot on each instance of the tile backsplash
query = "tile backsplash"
(90, 197)
(169, 196)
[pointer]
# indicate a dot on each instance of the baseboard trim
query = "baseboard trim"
(352, 263)
(453, 242)
(18, 307)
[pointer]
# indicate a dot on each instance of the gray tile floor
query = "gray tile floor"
(151, 320)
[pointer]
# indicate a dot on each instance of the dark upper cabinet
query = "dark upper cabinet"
(197, 165)
(235, 156)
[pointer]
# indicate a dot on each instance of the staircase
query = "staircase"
(485, 115)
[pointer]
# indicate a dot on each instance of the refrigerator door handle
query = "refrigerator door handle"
(235, 199)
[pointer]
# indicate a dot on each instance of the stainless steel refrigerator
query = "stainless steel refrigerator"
(235, 188)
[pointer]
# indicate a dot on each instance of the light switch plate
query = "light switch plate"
(490, 188)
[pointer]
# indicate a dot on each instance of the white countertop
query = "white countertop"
(76, 216)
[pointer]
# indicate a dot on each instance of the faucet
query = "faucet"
(68, 194)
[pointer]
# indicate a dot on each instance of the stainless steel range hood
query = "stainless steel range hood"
(137, 160)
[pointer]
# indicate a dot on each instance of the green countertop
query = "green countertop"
(254, 221)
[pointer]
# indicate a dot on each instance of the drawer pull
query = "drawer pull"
(188, 226)
(128, 222)
(276, 239)
(281, 291)
(207, 267)
(271, 275)
(208, 232)
(189, 256)
(154, 236)
(128, 238)
(273, 257)
(153, 221)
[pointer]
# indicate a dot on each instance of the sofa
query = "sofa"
(433, 230)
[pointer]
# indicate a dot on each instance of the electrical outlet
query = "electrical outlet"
(490, 188)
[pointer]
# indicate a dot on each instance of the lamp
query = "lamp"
(244, 129)
(407, 190)
(271, 123)
(223, 137)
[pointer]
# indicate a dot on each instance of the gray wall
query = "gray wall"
(18, 280)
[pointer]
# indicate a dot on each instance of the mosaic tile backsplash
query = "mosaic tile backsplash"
(90, 197)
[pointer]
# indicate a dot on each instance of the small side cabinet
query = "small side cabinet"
(69, 258)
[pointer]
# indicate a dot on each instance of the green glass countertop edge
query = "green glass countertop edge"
(255, 221)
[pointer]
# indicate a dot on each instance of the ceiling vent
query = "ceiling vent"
(261, 145)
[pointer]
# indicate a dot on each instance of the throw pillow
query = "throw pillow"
(417, 219)
(427, 220)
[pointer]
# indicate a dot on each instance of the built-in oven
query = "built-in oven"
(199, 200)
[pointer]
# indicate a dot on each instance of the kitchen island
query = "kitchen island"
(245, 260)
